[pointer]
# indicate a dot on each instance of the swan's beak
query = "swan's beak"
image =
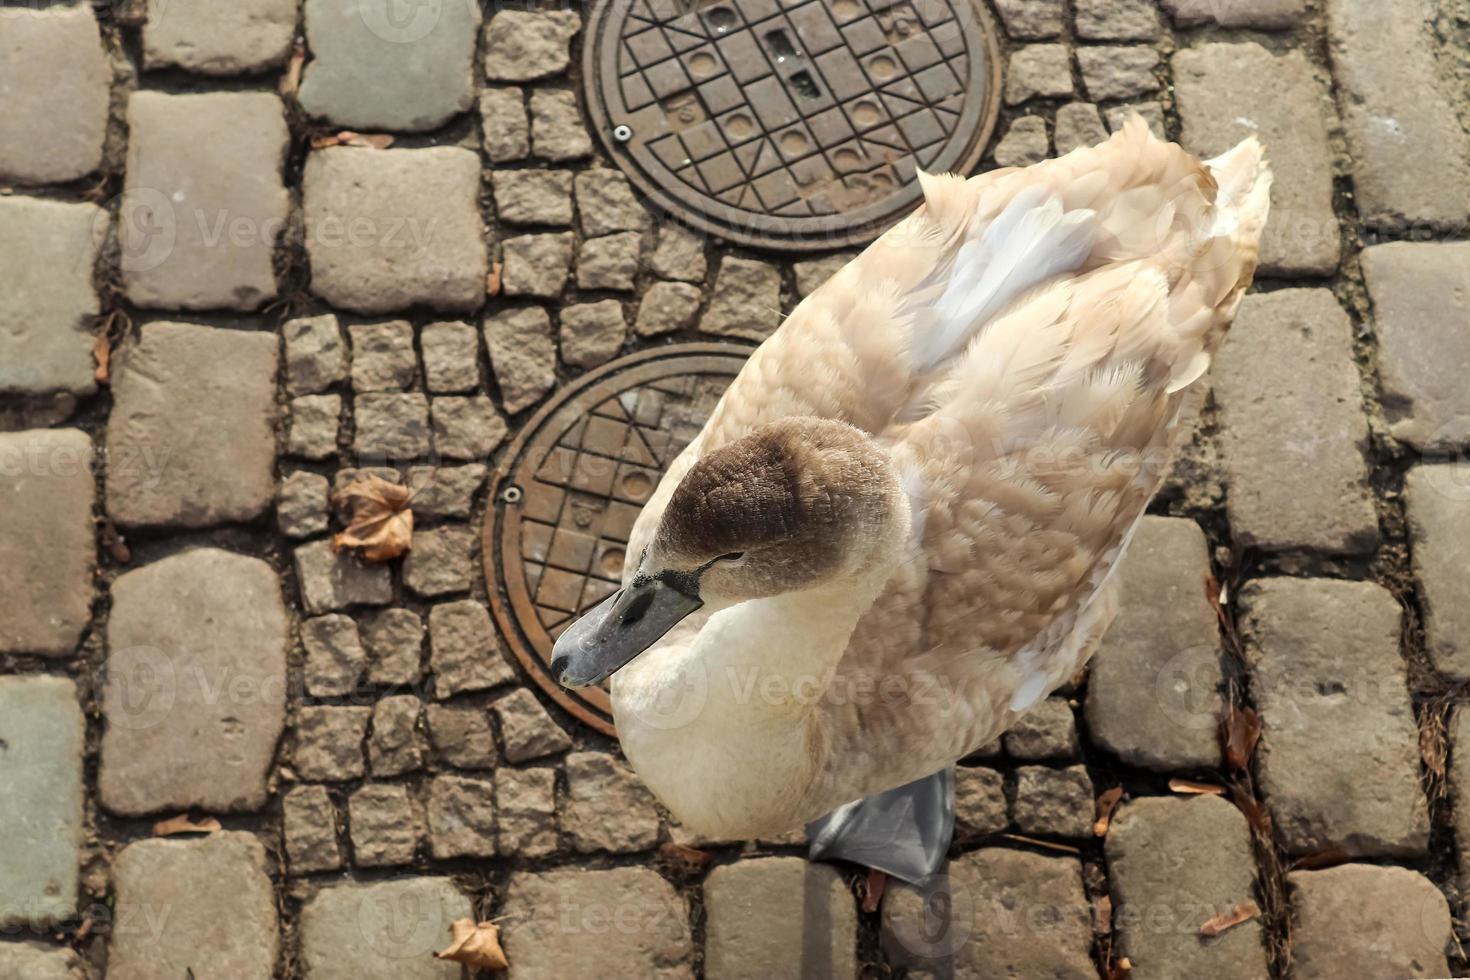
(619, 628)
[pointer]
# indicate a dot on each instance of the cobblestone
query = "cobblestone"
(1173, 864)
(1038, 70)
(606, 203)
(1031, 20)
(391, 426)
(606, 807)
(1078, 124)
(592, 333)
(445, 491)
(388, 229)
(200, 238)
(352, 931)
(1054, 802)
(521, 46)
(557, 130)
(746, 302)
(980, 803)
(461, 736)
(314, 422)
(461, 817)
(182, 630)
(42, 729)
(465, 653)
(386, 824)
(522, 355)
(210, 905)
(811, 274)
(335, 660)
(329, 743)
(1419, 311)
(394, 639)
(537, 265)
(1333, 697)
(316, 358)
(361, 55)
(667, 307)
(526, 730)
(1294, 458)
(525, 808)
(1151, 112)
(534, 197)
(1117, 20)
(382, 356)
(301, 505)
(1264, 14)
(55, 75)
(609, 262)
(49, 250)
(1047, 732)
(246, 37)
(1025, 143)
(47, 553)
(1438, 507)
(507, 129)
(439, 563)
(1403, 932)
(393, 745)
(1227, 92)
(466, 427)
(1156, 692)
(310, 822)
(778, 917)
(332, 580)
(1117, 71)
(679, 254)
(451, 357)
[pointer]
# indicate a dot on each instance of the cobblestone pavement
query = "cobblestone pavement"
(178, 636)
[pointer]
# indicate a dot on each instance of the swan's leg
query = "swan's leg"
(904, 832)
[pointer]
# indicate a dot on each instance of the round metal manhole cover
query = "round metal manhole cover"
(571, 486)
(791, 124)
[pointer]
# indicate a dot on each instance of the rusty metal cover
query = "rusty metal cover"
(571, 485)
(791, 124)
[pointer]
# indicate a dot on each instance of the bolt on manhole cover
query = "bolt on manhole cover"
(796, 124)
(571, 486)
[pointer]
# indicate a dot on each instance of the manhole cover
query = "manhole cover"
(791, 125)
(571, 486)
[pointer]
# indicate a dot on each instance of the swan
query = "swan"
(898, 529)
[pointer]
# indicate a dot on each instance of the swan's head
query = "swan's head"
(797, 505)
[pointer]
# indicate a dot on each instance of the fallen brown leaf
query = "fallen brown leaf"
(102, 352)
(1107, 802)
(1102, 916)
(1216, 924)
(1242, 731)
(689, 859)
(114, 542)
(291, 80)
(492, 279)
(1189, 787)
(1255, 814)
(374, 141)
(1120, 969)
(322, 142)
(873, 889)
(1322, 859)
(379, 521)
(183, 825)
(476, 946)
(1049, 845)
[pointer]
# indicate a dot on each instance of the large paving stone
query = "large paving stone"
(1421, 303)
(999, 913)
(623, 922)
(1226, 92)
(1359, 920)
(384, 931)
(1438, 502)
(1339, 756)
(380, 66)
(47, 301)
(1294, 427)
(1174, 863)
(1400, 122)
(218, 39)
(43, 734)
(388, 229)
(47, 550)
(778, 917)
(191, 438)
(203, 203)
(195, 689)
(1155, 694)
(32, 961)
(201, 908)
(54, 81)
(1264, 14)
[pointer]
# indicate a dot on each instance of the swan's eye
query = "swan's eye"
(732, 556)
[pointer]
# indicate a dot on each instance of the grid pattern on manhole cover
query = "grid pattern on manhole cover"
(577, 476)
(791, 124)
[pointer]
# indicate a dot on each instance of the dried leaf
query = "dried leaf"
(372, 141)
(379, 521)
(1102, 916)
(114, 542)
(873, 889)
(1189, 787)
(1242, 731)
(1216, 924)
(492, 279)
(476, 946)
(1255, 814)
(689, 859)
(322, 142)
(1120, 969)
(291, 80)
(1322, 859)
(1107, 802)
(102, 352)
(1049, 845)
(183, 825)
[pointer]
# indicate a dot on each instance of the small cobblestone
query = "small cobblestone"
(393, 745)
(1152, 113)
(507, 128)
(1173, 863)
(525, 808)
(1402, 932)
(465, 652)
(1047, 732)
(391, 426)
(607, 808)
(332, 580)
(609, 262)
(526, 730)
(301, 505)
(466, 427)
(394, 639)
(329, 743)
(241, 38)
(772, 917)
(55, 77)
(667, 307)
(32, 961)
(446, 491)
(1038, 70)
(390, 229)
(187, 890)
(1025, 143)
(746, 302)
(533, 197)
(461, 736)
(522, 355)
(557, 130)
(1118, 71)
(439, 563)
(811, 274)
(185, 153)
(179, 393)
(461, 817)
(314, 421)
(335, 659)
(592, 333)
(550, 929)
(537, 265)
(362, 55)
(521, 46)
(316, 358)
(1334, 702)
(679, 254)
(1420, 308)
(353, 931)
(1117, 20)
(451, 358)
(310, 823)
(44, 735)
(1057, 802)
(1156, 692)
(382, 356)
(386, 824)
(606, 202)
(1031, 20)
(1294, 461)
(1438, 508)
(1078, 125)
(979, 802)
(181, 630)
(1265, 14)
